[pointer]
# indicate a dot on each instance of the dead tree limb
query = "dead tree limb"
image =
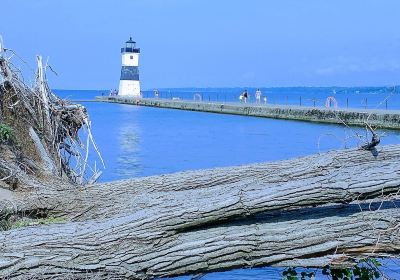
(207, 195)
(375, 140)
(133, 247)
(39, 112)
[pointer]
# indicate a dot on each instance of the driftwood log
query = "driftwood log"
(310, 211)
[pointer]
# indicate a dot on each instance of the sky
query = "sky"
(209, 43)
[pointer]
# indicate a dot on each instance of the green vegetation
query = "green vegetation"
(25, 222)
(41, 221)
(291, 274)
(6, 133)
(365, 269)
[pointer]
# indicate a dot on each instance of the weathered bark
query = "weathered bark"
(133, 247)
(209, 220)
(199, 197)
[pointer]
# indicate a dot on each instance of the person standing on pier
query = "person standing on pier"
(245, 96)
(258, 96)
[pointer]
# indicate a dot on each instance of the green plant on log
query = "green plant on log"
(365, 269)
(6, 133)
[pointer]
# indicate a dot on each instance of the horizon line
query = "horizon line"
(242, 87)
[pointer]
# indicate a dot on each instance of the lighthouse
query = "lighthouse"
(129, 84)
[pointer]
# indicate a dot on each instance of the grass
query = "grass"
(41, 221)
(25, 222)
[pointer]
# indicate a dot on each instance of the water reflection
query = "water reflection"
(128, 158)
(128, 161)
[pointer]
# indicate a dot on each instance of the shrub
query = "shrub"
(6, 133)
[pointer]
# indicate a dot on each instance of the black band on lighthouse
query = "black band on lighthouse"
(130, 50)
(130, 73)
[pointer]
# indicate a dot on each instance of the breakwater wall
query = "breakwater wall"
(380, 118)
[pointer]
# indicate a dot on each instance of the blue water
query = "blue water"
(142, 141)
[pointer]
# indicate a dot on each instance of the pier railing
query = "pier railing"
(384, 103)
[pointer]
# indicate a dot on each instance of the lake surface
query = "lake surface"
(142, 141)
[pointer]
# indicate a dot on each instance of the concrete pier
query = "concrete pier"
(389, 119)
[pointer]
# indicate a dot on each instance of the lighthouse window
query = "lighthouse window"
(131, 56)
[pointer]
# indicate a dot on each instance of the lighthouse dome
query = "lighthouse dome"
(130, 47)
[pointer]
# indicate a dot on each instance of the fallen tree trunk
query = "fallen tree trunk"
(130, 247)
(200, 197)
(209, 220)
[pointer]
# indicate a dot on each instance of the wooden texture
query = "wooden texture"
(132, 246)
(303, 211)
(333, 177)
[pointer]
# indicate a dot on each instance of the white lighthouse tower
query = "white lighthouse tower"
(129, 84)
